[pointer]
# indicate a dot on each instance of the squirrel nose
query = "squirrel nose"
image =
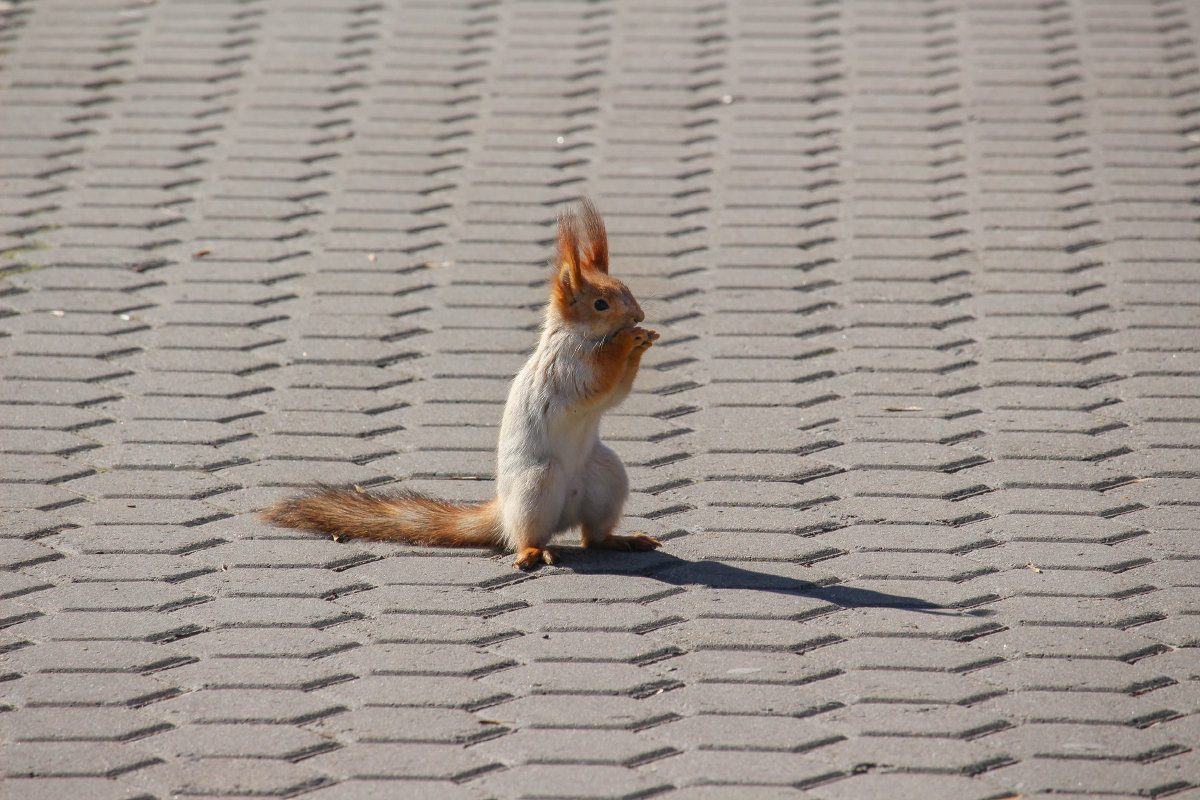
(638, 316)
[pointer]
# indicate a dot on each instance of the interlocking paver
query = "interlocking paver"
(919, 437)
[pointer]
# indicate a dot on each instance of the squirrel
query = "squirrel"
(553, 472)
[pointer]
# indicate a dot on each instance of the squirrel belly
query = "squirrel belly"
(548, 440)
(402, 517)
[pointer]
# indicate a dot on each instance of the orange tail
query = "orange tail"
(403, 517)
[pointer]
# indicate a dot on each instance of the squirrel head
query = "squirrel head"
(581, 290)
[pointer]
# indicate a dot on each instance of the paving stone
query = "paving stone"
(419, 567)
(736, 768)
(128, 511)
(139, 539)
(417, 691)
(229, 741)
(903, 787)
(72, 759)
(104, 626)
(267, 642)
(15, 584)
(1046, 740)
(256, 671)
(914, 720)
(919, 434)
(583, 646)
(277, 706)
(307, 552)
(96, 657)
(117, 596)
(450, 600)
(446, 629)
(431, 659)
(97, 725)
(554, 779)
(749, 792)
(420, 761)
(107, 567)
(220, 777)
(570, 679)
(260, 612)
(740, 732)
(19, 553)
(380, 789)
(80, 689)
(390, 724)
(592, 712)
(573, 747)
(1039, 775)
(298, 582)
(65, 788)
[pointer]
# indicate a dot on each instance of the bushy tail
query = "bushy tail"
(402, 517)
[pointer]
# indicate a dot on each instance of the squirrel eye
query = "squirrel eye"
(600, 305)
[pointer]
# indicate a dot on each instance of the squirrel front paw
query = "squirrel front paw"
(638, 338)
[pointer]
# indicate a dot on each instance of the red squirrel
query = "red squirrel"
(553, 472)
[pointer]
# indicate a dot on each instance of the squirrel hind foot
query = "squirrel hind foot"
(530, 557)
(636, 541)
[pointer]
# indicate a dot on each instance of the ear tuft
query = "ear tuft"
(595, 251)
(569, 277)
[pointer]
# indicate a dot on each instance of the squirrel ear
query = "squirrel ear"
(570, 270)
(596, 253)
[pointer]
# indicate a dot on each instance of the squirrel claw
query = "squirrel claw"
(530, 557)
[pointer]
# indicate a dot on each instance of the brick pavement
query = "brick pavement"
(920, 437)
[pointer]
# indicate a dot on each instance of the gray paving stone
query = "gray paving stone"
(255, 671)
(295, 643)
(103, 626)
(241, 740)
(390, 724)
(1039, 775)
(582, 617)
(263, 612)
(919, 436)
(749, 792)
(881, 785)
(116, 596)
(417, 691)
(68, 689)
(561, 779)
(219, 777)
(96, 725)
(408, 760)
(575, 747)
(272, 582)
(65, 788)
(95, 657)
(380, 789)
(72, 759)
(245, 705)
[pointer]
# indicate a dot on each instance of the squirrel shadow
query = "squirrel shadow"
(677, 571)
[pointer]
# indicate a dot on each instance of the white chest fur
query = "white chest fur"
(544, 420)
